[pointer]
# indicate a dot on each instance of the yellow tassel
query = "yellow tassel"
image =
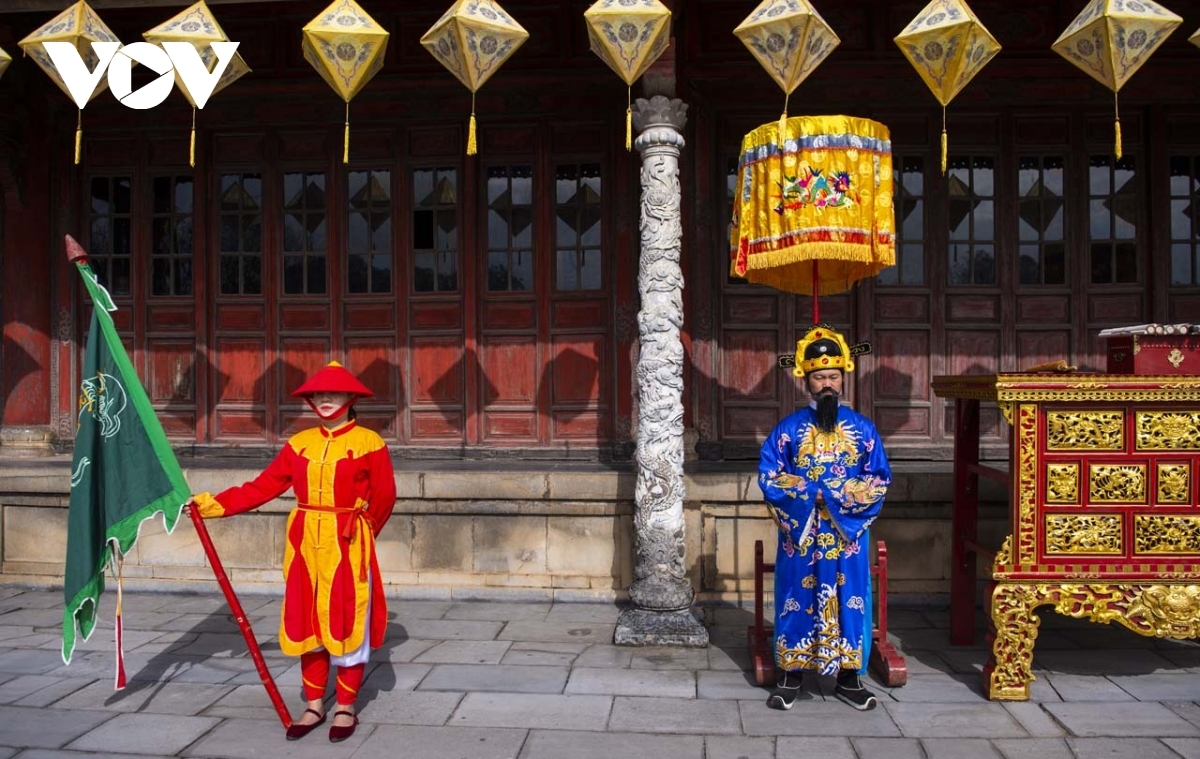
(945, 150)
(782, 130)
(346, 136)
(78, 135)
(1118, 145)
(472, 148)
(628, 129)
(192, 144)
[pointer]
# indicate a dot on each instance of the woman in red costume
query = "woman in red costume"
(333, 605)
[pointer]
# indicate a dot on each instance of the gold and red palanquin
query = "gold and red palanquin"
(345, 491)
(1103, 506)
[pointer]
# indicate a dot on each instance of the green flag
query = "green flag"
(123, 472)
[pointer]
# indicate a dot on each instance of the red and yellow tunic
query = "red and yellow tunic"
(345, 491)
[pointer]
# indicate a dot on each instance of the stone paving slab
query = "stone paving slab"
(1102, 662)
(892, 748)
(605, 655)
(497, 678)
(252, 739)
(250, 701)
(501, 612)
(442, 743)
(46, 728)
(584, 613)
(1190, 712)
(30, 662)
(1031, 716)
(938, 688)
(1034, 748)
(156, 698)
(631, 682)
(1120, 748)
(402, 650)
(1188, 748)
(1121, 720)
(957, 748)
(144, 734)
(739, 747)
(45, 617)
(926, 663)
(1073, 688)
(732, 659)
(542, 653)
(398, 611)
(465, 652)
(546, 744)
(533, 710)
(46, 753)
(737, 686)
(816, 719)
(409, 708)
(674, 716)
(668, 657)
(452, 629)
(978, 720)
(825, 748)
(1161, 686)
(558, 631)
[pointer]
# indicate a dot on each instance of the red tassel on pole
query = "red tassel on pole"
(816, 308)
(121, 679)
(240, 616)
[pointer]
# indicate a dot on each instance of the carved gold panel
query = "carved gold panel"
(1166, 534)
(1062, 483)
(1167, 430)
(1174, 483)
(1085, 431)
(1117, 483)
(1083, 533)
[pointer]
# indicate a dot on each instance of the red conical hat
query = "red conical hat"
(333, 379)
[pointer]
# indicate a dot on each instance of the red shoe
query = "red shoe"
(297, 731)
(338, 733)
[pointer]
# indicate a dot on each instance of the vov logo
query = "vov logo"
(172, 59)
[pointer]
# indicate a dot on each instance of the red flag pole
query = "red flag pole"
(816, 308)
(244, 624)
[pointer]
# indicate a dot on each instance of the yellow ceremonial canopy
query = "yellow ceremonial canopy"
(628, 35)
(813, 212)
(472, 40)
(947, 45)
(198, 26)
(5, 59)
(790, 39)
(346, 47)
(1111, 39)
(80, 26)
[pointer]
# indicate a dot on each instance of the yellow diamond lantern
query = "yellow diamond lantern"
(346, 47)
(1111, 39)
(628, 35)
(947, 45)
(80, 26)
(473, 39)
(197, 26)
(1195, 38)
(790, 39)
(5, 59)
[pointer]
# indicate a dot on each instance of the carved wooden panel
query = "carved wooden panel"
(1043, 309)
(509, 370)
(373, 361)
(239, 148)
(1183, 128)
(756, 310)
(576, 314)
(369, 316)
(748, 366)
(379, 421)
(370, 145)
(899, 365)
(962, 307)
(907, 420)
(172, 371)
(1185, 308)
(179, 424)
(972, 351)
(1042, 130)
(122, 319)
(1100, 128)
(748, 423)
(509, 314)
(1120, 308)
(307, 316)
(172, 152)
(443, 424)
(301, 358)
(110, 152)
(241, 316)
(240, 370)
(834, 309)
(909, 130)
(584, 425)
(510, 426)
(447, 141)
(506, 139)
(902, 308)
(240, 423)
(171, 318)
(578, 369)
(303, 147)
(574, 137)
(435, 315)
(1038, 347)
(437, 370)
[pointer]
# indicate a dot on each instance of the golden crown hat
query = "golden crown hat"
(844, 360)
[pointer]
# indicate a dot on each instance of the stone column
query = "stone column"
(661, 592)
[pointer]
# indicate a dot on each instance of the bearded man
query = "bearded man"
(823, 473)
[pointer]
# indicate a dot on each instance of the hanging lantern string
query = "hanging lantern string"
(471, 146)
(78, 134)
(192, 144)
(628, 118)
(346, 136)
(945, 142)
(783, 121)
(1117, 124)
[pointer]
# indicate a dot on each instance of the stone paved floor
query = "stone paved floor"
(536, 681)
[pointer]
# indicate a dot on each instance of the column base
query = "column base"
(644, 627)
(26, 442)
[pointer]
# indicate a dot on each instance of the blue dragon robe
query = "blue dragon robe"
(824, 489)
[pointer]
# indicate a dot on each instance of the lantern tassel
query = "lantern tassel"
(346, 136)
(78, 134)
(783, 117)
(945, 142)
(472, 148)
(192, 144)
(628, 119)
(1117, 126)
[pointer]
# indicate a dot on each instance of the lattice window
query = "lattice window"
(1041, 212)
(971, 218)
(110, 246)
(578, 232)
(240, 204)
(435, 229)
(172, 227)
(369, 232)
(1114, 213)
(304, 242)
(510, 228)
(1185, 226)
(909, 173)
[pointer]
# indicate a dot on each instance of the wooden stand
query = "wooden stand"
(886, 661)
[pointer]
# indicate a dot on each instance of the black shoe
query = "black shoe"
(851, 690)
(786, 693)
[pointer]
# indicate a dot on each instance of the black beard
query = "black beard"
(827, 410)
